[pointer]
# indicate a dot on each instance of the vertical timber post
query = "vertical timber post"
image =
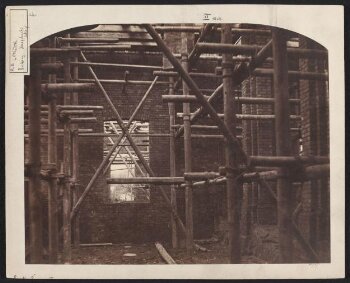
(52, 159)
(232, 189)
(67, 171)
(75, 160)
(187, 148)
(35, 205)
(284, 186)
(172, 156)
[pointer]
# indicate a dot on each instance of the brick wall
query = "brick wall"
(314, 196)
(103, 221)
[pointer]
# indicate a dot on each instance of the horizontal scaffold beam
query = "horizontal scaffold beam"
(83, 120)
(129, 82)
(309, 173)
(67, 87)
(76, 112)
(252, 49)
(257, 72)
(102, 47)
(147, 180)
(251, 117)
(194, 176)
(203, 127)
(61, 40)
(119, 66)
(265, 72)
(240, 31)
(192, 74)
(54, 52)
(243, 100)
(286, 160)
(117, 135)
(62, 130)
(51, 67)
(71, 107)
(317, 171)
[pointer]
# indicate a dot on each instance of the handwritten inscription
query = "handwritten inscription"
(210, 17)
(18, 41)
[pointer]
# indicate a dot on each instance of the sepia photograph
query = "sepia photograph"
(181, 143)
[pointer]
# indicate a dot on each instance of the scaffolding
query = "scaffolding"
(237, 62)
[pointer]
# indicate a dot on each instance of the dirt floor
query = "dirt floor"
(148, 254)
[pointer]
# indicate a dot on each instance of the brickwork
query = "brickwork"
(314, 197)
(104, 221)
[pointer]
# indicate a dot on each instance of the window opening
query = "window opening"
(125, 163)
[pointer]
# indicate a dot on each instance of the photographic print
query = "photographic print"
(200, 142)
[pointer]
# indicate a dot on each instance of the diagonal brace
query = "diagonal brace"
(132, 143)
(109, 154)
(193, 86)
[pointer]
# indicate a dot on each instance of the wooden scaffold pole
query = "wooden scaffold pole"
(75, 160)
(34, 200)
(52, 159)
(284, 186)
(232, 187)
(172, 157)
(67, 171)
(187, 148)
